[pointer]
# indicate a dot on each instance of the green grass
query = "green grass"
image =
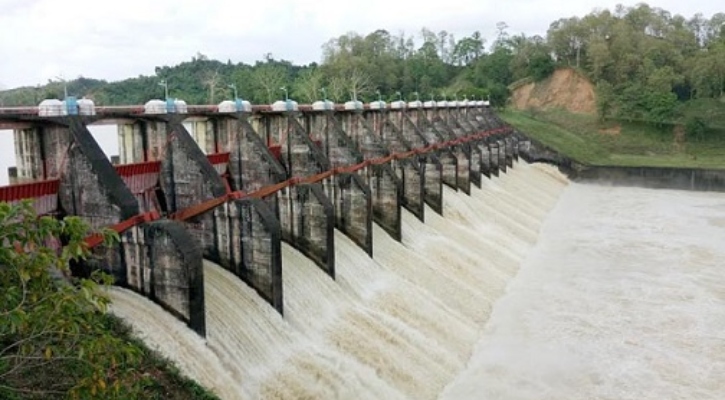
(586, 139)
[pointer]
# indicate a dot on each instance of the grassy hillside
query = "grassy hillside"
(588, 140)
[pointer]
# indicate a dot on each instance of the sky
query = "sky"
(46, 39)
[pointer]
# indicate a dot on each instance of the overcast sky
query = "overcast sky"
(42, 39)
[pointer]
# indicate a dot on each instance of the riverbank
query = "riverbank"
(614, 143)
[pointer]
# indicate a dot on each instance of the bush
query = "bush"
(695, 128)
(53, 338)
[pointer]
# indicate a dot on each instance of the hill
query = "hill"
(565, 89)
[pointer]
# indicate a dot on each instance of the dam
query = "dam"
(422, 258)
(532, 287)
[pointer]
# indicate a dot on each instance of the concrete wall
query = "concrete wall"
(187, 179)
(163, 259)
(256, 239)
(28, 154)
(243, 236)
(308, 221)
(431, 165)
(423, 128)
(90, 187)
(349, 192)
(159, 259)
(449, 125)
(305, 212)
(410, 172)
(131, 142)
(385, 187)
(176, 272)
(533, 151)
(252, 165)
(655, 177)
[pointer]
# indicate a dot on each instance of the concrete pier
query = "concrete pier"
(409, 171)
(432, 165)
(386, 189)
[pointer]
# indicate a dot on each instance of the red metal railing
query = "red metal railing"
(43, 193)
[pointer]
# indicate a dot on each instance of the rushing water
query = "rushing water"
(400, 325)
(623, 297)
(619, 298)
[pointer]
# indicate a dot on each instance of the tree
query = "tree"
(267, 80)
(308, 85)
(49, 320)
(211, 80)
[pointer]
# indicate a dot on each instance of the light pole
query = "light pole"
(324, 98)
(166, 88)
(286, 93)
(234, 90)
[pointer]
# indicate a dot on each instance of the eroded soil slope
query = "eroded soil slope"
(565, 88)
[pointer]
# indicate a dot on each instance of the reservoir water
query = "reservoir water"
(531, 288)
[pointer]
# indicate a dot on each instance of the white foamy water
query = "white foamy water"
(399, 326)
(623, 297)
(175, 340)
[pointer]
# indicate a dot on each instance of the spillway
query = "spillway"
(400, 325)
(622, 297)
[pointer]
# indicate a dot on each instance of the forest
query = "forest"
(645, 62)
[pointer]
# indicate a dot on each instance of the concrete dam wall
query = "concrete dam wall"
(233, 187)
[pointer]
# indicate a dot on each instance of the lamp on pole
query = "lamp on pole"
(286, 93)
(166, 88)
(324, 98)
(234, 90)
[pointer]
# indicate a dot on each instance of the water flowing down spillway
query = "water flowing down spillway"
(623, 297)
(400, 325)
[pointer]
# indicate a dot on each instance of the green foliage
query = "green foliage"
(56, 340)
(46, 320)
(695, 128)
(605, 99)
(652, 59)
(541, 66)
